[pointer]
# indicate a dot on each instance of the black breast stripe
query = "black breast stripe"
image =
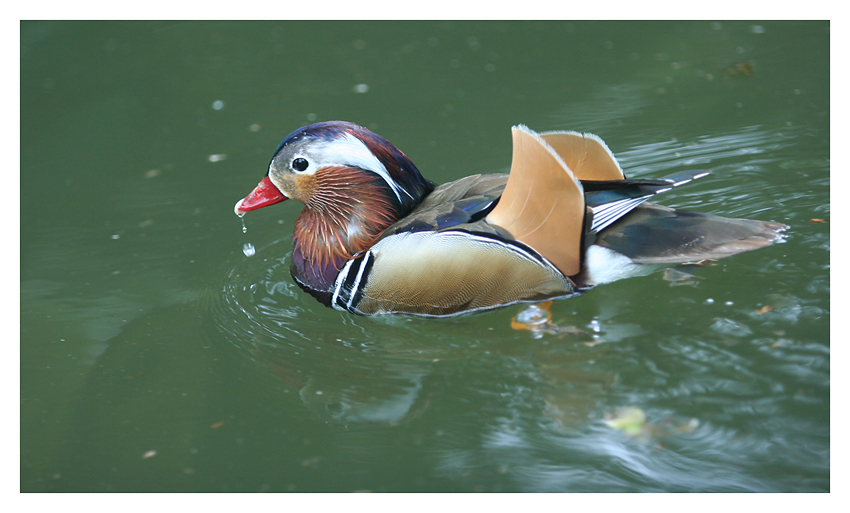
(349, 284)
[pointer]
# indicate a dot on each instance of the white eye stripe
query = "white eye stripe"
(348, 150)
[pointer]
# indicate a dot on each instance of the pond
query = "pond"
(165, 348)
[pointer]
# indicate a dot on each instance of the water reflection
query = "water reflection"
(505, 410)
(386, 369)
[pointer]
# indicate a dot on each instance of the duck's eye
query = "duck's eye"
(300, 164)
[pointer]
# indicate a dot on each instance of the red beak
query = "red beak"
(263, 195)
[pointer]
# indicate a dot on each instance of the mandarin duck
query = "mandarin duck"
(376, 237)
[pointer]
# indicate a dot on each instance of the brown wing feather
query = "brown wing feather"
(585, 154)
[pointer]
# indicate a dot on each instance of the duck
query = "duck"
(376, 237)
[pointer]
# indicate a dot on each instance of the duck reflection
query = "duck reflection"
(393, 370)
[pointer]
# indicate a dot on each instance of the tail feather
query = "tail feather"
(655, 234)
(611, 200)
(543, 202)
(606, 214)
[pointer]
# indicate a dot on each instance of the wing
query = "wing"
(543, 202)
(587, 155)
(462, 201)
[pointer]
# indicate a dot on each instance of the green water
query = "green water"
(157, 356)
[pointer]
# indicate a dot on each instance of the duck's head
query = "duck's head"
(353, 183)
(333, 162)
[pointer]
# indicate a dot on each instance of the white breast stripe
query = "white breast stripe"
(340, 279)
(356, 284)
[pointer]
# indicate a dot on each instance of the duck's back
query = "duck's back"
(463, 201)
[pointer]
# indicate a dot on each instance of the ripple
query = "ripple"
(345, 368)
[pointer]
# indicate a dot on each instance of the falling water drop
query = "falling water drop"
(248, 249)
(244, 228)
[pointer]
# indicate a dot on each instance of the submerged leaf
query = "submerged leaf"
(630, 420)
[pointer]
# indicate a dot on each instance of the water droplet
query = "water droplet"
(242, 218)
(248, 249)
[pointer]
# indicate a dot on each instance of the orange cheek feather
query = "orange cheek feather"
(303, 187)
